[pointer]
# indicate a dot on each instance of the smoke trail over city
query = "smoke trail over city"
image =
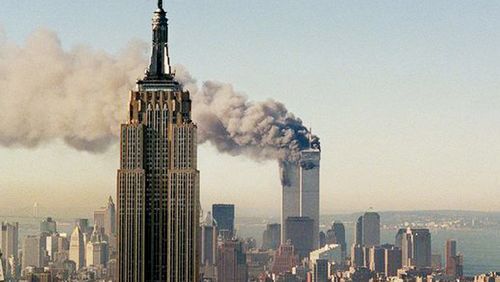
(81, 95)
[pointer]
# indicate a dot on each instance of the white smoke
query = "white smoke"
(81, 96)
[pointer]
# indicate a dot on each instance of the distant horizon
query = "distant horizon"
(237, 215)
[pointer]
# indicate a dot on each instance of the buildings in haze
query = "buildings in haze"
(285, 258)
(299, 231)
(9, 247)
(96, 249)
(271, 238)
(77, 247)
(367, 230)
(320, 270)
(231, 261)
(105, 218)
(223, 215)
(392, 260)
(371, 229)
(48, 226)
(158, 181)
(208, 240)
(336, 235)
(453, 261)
(416, 248)
(32, 251)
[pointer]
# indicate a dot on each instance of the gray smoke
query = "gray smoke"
(81, 95)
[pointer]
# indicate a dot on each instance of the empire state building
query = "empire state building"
(158, 180)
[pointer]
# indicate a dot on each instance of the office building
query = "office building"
(32, 252)
(223, 215)
(83, 224)
(99, 218)
(392, 260)
(77, 248)
(158, 181)
(358, 234)
(371, 229)
(208, 241)
(231, 261)
(96, 250)
(285, 258)
(48, 226)
(376, 259)
(453, 261)
(357, 255)
(271, 239)
(320, 270)
(330, 252)
(290, 196)
(9, 246)
(105, 218)
(336, 235)
(299, 231)
(416, 248)
(309, 188)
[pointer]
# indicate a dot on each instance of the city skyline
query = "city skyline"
(388, 130)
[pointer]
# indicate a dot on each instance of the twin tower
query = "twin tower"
(300, 195)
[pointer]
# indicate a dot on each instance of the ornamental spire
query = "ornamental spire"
(159, 67)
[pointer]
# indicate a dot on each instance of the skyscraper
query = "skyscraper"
(208, 241)
(290, 197)
(453, 261)
(48, 226)
(77, 247)
(32, 251)
(285, 258)
(299, 231)
(231, 261)
(358, 235)
(223, 215)
(110, 218)
(320, 271)
(392, 260)
(416, 248)
(271, 238)
(309, 188)
(9, 246)
(336, 235)
(371, 229)
(158, 180)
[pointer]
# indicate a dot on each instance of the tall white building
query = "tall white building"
(300, 194)
(77, 248)
(309, 188)
(290, 199)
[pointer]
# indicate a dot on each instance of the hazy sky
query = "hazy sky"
(404, 95)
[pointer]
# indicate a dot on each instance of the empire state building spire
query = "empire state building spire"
(159, 67)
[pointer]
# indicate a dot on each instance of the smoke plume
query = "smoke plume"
(81, 95)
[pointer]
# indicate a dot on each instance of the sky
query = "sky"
(403, 94)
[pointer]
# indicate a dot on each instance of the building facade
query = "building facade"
(371, 229)
(271, 238)
(158, 180)
(299, 232)
(9, 246)
(223, 215)
(231, 261)
(416, 248)
(309, 189)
